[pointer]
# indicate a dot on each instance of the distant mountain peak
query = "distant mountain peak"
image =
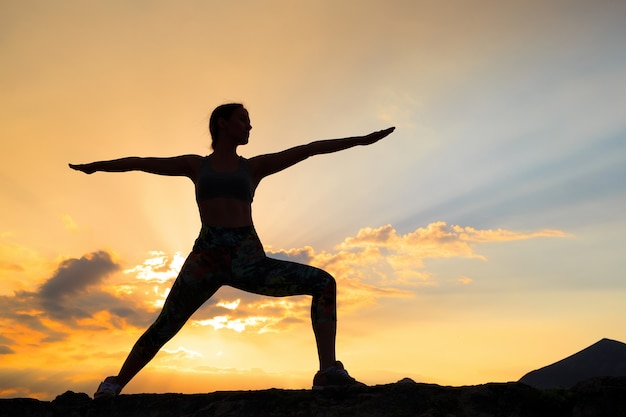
(606, 357)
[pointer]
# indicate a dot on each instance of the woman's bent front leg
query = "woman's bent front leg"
(262, 275)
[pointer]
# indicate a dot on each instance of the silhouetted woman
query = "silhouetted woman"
(228, 250)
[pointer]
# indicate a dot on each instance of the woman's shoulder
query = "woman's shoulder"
(192, 159)
(193, 162)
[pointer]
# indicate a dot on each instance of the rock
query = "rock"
(593, 398)
(25, 407)
(71, 404)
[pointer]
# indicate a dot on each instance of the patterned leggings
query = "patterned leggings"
(234, 257)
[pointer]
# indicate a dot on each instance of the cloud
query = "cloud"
(75, 277)
(240, 311)
(374, 264)
(301, 255)
(5, 350)
(469, 234)
(437, 240)
(10, 266)
(379, 262)
(465, 280)
(180, 353)
(238, 325)
(69, 223)
(71, 298)
(158, 267)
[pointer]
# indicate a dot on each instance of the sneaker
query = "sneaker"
(108, 388)
(334, 376)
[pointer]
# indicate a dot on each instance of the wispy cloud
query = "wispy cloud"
(389, 257)
(380, 263)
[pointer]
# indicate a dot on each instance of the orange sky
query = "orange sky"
(481, 240)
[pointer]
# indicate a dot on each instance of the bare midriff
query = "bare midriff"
(225, 212)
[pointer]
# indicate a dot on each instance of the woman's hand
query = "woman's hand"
(86, 168)
(376, 136)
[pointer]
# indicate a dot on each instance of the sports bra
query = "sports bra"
(237, 184)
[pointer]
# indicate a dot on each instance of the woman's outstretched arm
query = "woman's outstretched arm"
(264, 165)
(183, 165)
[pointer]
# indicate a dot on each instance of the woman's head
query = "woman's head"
(224, 112)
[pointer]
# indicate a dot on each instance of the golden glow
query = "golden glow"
(484, 238)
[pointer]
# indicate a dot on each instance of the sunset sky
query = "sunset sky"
(483, 239)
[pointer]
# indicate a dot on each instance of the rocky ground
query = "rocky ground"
(594, 398)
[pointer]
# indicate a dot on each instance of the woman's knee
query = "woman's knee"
(328, 284)
(324, 306)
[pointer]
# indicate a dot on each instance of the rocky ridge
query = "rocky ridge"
(593, 398)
